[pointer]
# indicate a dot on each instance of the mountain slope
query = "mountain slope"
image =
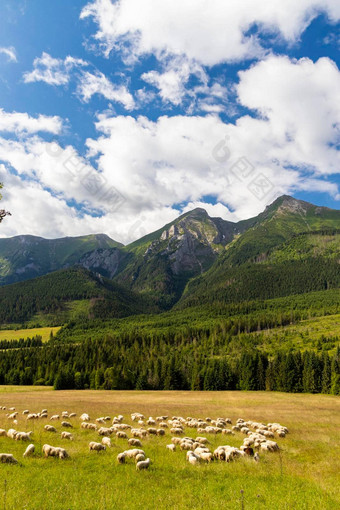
(25, 257)
(161, 263)
(306, 262)
(49, 294)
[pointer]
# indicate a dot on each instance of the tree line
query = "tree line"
(148, 362)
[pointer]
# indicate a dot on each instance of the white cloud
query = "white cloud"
(299, 101)
(98, 83)
(16, 122)
(206, 32)
(10, 53)
(53, 71)
(172, 82)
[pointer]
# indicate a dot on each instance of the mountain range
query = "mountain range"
(292, 247)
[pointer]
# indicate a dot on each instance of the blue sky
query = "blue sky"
(116, 116)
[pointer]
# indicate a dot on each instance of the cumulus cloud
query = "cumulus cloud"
(172, 82)
(53, 71)
(16, 122)
(98, 83)
(206, 32)
(300, 102)
(10, 53)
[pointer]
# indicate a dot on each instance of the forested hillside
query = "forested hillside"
(49, 294)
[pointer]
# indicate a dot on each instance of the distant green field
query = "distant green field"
(11, 334)
(315, 333)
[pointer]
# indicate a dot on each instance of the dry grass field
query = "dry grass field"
(305, 475)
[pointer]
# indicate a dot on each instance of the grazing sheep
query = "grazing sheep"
(85, 417)
(132, 454)
(55, 417)
(26, 411)
(192, 458)
(202, 440)
(139, 457)
(176, 440)
(171, 447)
(106, 441)
(176, 430)
(64, 414)
(257, 457)
(143, 464)
(54, 451)
(32, 416)
(121, 458)
(121, 435)
(86, 425)
(11, 433)
(72, 415)
(160, 432)
(206, 456)
(141, 433)
(29, 450)
(49, 428)
(66, 435)
(12, 416)
(11, 408)
(23, 436)
(98, 447)
(104, 431)
(7, 458)
(134, 442)
(67, 424)
(3, 433)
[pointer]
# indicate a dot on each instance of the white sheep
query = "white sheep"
(29, 450)
(171, 447)
(11, 433)
(55, 417)
(85, 417)
(67, 424)
(50, 428)
(3, 433)
(121, 435)
(7, 458)
(106, 441)
(96, 446)
(23, 436)
(134, 442)
(121, 458)
(143, 464)
(66, 435)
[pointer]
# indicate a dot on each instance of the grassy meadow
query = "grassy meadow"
(305, 475)
(16, 334)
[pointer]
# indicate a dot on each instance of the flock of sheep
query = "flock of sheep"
(259, 437)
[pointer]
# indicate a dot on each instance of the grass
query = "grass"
(304, 476)
(12, 334)
(315, 333)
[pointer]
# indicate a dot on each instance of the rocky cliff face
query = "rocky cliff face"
(103, 261)
(186, 248)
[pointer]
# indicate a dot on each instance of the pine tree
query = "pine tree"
(326, 374)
